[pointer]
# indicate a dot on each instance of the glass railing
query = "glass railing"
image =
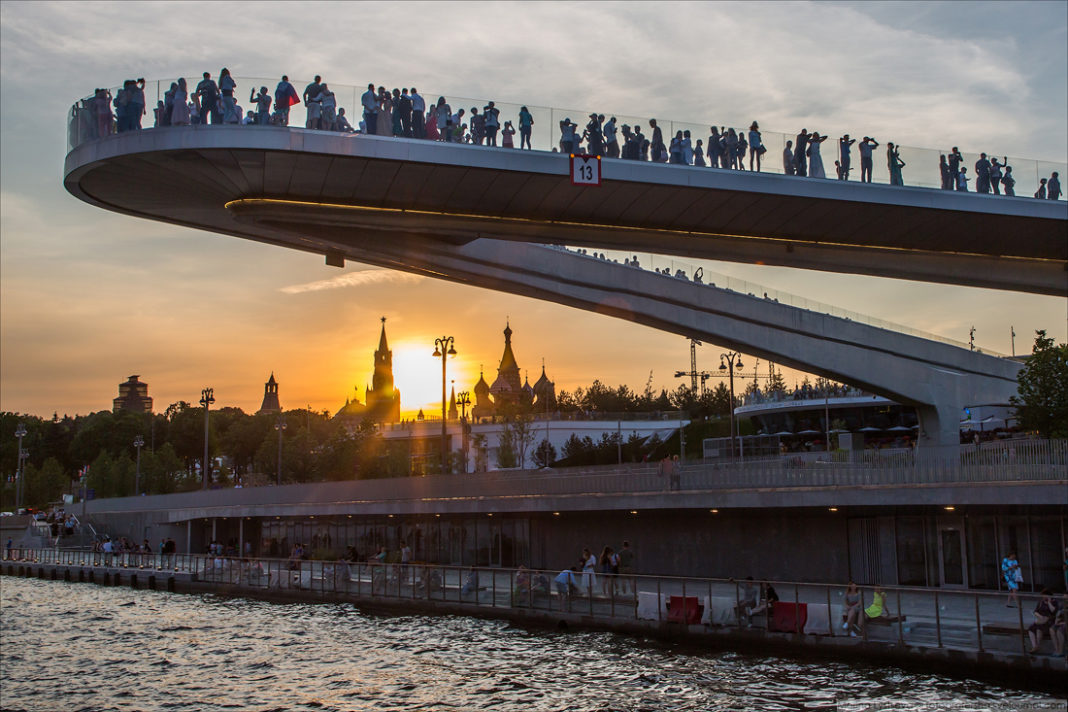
(94, 117)
(674, 268)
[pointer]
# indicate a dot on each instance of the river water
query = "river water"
(77, 647)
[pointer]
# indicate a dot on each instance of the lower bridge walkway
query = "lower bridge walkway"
(962, 629)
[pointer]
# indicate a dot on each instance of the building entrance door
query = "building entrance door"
(952, 558)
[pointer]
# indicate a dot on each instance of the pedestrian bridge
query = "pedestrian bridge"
(477, 216)
(457, 193)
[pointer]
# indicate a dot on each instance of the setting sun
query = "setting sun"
(417, 375)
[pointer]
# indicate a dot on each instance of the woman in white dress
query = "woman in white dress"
(180, 112)
(815, 161)
(384, 124)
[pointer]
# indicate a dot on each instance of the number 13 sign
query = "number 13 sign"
(585, 170)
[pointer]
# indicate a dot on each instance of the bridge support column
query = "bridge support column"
(939, 435)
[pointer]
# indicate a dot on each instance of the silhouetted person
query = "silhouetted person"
(418, 114)
(894, 164)
(1041, 192)
(369, 100)
(995, 176)
(943, 168)
(844, 156)
(1008, 182)
(404, 109)
(208, 92)
(864, 149)
(955, 159)
(284, 97)
(982, 174)
(801, 153)
(788, 166)
(1053, 187)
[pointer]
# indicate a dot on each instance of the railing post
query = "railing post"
(830, 622)
(900, 624)
(978, 624)
(797, 610)
(938, 619)
(659, 603)
(1023, 637)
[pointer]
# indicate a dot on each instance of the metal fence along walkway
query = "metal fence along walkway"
(911, 620)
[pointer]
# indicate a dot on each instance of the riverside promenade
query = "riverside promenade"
(961, 632)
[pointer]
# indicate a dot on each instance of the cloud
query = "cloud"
(355, 279)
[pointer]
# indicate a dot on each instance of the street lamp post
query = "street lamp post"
(728, 362)
(207, 397)
(139, 442)
(444, 348)
(463, 400)
(20, 433)
(280, 426)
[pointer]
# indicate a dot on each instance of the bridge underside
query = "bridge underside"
(353, 207)
(461, 193)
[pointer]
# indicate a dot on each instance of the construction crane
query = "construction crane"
(693, 373)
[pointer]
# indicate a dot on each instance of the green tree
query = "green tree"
(1042, 403)
(46, 484)
(544, 454)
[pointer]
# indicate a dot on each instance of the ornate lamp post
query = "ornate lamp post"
(444, 348)
(733, 361)
(280, 426)
(207, 397)
(20, 433)
(463, 400)
(139, 442)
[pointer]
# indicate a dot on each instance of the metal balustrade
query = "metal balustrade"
(922, 618)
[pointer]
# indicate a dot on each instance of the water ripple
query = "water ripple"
(163, 651)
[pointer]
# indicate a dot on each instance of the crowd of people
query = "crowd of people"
(405, 113)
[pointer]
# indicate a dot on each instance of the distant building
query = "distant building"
(507, 393)
(383, 399)
(133, 396)
(270, 398)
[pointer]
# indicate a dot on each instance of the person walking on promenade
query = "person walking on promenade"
(982, 174)
(1053, 187)
(1010, 569)
(567, 136)
(844, 156)
(526, 125)
(608, 566)
(865, 149)
(418, 114)
(801, 153)
(444, 118)
(955, 160)
(626, 568)
(1008, 183)
(227, 86)
(894, 164)
(507, 134)
(699, 154)
(384, 125)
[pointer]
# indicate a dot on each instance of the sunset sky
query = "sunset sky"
(88, 297)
